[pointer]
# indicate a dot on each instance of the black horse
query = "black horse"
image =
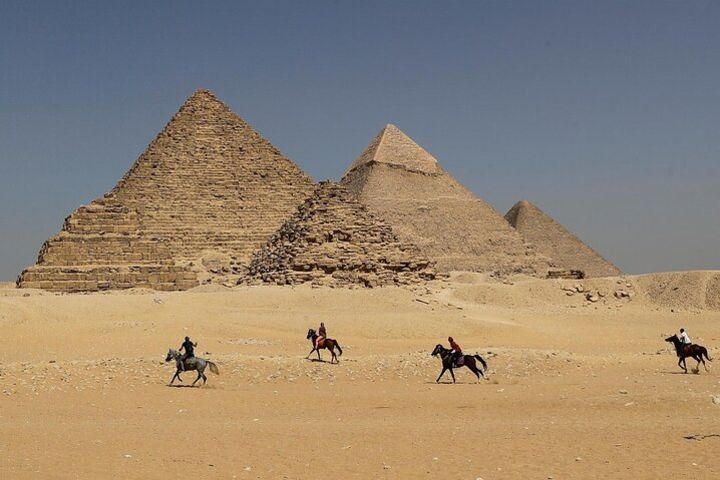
(694, 351)
(446, 356)
(329, 343)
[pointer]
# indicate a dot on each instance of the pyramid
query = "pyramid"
(334, 240)
(208, 186)
(407, 187)
(565, 250)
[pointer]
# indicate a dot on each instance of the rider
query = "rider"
(322, 335)
(189, 348)
(684, 338)
(455, 350)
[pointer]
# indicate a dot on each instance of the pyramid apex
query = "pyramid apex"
(525, 204)
(203, 91)
(203, 97)
(521, 209)
(394, 147)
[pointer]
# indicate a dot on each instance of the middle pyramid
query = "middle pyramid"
(406, 186)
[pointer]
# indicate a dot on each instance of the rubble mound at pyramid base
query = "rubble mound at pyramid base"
(333, 240)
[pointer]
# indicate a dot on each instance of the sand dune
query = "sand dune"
(577, 388)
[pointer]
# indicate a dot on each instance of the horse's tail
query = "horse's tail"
(481, 361)
(213, 368)
(704, 352)
(337, 344)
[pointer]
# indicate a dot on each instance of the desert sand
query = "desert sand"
(575, 389)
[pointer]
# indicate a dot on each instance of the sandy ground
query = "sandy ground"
(576, 389)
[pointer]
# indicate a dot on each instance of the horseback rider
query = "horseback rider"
(189, 348)
(684, 338)
(322, 335)
(455, 349)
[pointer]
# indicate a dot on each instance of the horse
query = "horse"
(328, 343)
(198, 364)
(683, 351)
(446, 356)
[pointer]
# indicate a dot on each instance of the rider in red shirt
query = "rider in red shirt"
(455, 349)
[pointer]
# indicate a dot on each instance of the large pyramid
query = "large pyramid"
(564, 249)
(334, 240)
(208, 186)
(407, 187)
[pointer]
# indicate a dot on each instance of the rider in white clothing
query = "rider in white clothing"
(684, 337)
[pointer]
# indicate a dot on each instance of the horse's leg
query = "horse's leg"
(198, 378)
(173, 378)
(482, 374)
(476, 371)
(684, 364)
(308, 355)
(453, 375)
(318, 352)
(698, 359)
(441, 374)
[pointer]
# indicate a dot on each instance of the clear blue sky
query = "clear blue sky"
(605, 114)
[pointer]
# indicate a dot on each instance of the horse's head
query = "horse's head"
(673, 339)
(438, 350)
(171, 355)
(310, 334)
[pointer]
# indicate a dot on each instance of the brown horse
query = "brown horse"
(694, 351)
(328, 343)
(467, 361)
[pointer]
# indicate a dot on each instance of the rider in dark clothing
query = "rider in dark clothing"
(189, 348)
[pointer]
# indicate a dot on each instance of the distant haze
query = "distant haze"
(604, 114)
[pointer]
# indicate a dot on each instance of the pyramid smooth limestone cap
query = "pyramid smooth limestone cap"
(393, 147)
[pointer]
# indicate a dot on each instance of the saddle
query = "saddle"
(320, 342)
(189, 362)
(460, 361)
(686, 349)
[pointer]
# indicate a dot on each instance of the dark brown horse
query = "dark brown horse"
(328, 343)
(684, 351)
(448, 363)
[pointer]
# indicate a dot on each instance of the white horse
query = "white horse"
(195, 363)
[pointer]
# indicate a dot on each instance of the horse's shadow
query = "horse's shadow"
(318, 360)
(175, 385)
(448, 382)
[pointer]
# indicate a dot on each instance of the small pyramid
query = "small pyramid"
(333, 240)
(565, 250)
(407, 187)
(207, 185)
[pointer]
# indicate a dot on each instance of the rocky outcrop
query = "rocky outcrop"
(334, 240)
